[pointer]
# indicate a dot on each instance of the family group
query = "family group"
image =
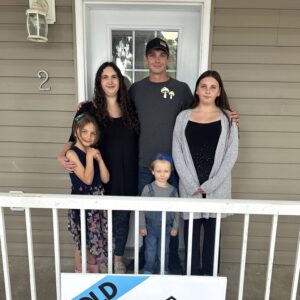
(156, 139)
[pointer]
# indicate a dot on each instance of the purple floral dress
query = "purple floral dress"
(96, 220)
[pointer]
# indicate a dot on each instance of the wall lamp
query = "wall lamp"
(39, 15)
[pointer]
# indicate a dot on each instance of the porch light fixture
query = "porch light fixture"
(38, 19)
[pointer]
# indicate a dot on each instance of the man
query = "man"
(159, 99)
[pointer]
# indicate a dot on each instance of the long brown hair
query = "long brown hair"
(222, 100)
(127, 107)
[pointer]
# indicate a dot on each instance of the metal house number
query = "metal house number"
(42, 74)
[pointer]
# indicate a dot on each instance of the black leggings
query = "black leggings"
(202, 261)
(120, 230)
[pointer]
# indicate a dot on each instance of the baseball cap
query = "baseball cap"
(163, 156)
(159, 44)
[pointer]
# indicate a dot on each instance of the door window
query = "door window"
(128, 50)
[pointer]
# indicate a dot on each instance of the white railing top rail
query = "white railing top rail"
(235, 206)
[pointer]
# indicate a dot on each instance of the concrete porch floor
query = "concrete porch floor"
(255, 278)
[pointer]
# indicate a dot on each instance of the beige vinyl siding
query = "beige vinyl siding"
(256, 48)
(34, 124)
(42, 230)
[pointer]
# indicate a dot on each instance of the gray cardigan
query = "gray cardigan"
(218, 186)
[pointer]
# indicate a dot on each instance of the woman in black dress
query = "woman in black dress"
(116, 116)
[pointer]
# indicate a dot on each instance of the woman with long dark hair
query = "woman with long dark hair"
(118, 122)
(205, 148)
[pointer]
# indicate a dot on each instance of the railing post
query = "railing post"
(190, 242)
(56, 251)
(83, 240)
(271, 257)
(243, 257)
(136, 241)
(4, 256)
(110, 241)
(296, 271)
(30, 253)
(217, 244)
(163, 243)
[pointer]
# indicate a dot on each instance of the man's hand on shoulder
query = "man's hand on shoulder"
(68, 165)
(234, 116)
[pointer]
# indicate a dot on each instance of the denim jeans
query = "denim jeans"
(120, 230)
(153, 241)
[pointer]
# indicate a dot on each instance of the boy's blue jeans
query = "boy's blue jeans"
(153, 241)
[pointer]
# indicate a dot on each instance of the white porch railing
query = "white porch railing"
(109, 203)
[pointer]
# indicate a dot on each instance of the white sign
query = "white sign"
(141, 287)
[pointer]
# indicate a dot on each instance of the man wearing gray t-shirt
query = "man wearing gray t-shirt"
(158, 100)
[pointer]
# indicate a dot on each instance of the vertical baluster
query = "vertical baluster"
(217, 244)
(56, 251)
(190, 242)
(83, 240)
(271, 257)
(163, 243)
(4, 256)
(110, 241)
(30, 253)
(243, 256)
(136, 241)
(296, 272)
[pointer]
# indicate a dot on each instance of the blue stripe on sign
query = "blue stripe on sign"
(111, 287)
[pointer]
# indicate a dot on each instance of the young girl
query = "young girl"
(87, 179)
(205, 148)
(150, 221)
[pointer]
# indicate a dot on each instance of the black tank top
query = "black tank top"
(203, 139)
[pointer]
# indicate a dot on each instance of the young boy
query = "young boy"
(150, 221)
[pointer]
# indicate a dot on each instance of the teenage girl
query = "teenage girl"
(205, 148)
(87, 179)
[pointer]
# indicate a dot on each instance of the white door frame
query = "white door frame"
(80, 6)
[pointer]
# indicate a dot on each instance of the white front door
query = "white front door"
(120, 31)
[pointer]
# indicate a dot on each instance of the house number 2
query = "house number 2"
(42, 74)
